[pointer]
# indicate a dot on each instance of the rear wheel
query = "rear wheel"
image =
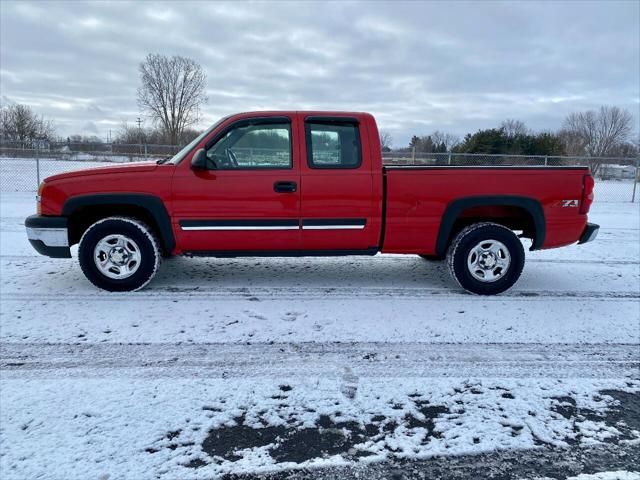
(486, 258)
(119, 254)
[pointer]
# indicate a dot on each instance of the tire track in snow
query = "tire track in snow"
(317, 293)
(322, 359)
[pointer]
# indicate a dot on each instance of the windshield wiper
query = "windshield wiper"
(163, 160)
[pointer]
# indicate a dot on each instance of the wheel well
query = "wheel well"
(82, 218)
(512, 217)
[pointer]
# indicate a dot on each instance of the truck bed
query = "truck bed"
(419, 198)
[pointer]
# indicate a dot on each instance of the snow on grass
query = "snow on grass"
(132, 428)
(617, 475)
(615, 191)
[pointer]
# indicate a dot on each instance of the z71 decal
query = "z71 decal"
(569, 203)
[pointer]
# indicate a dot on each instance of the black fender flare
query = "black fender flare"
(456, 207)
(154, 205)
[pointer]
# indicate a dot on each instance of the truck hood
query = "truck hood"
(116, 168)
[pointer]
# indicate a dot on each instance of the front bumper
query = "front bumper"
(590, 233)
(48, 235)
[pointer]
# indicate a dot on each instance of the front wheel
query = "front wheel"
(486, 258)
(119, 254)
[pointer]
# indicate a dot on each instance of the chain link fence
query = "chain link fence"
(100, 150)
(616, 177)
(22, 169)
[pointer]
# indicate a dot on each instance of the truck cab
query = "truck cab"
(296, 182)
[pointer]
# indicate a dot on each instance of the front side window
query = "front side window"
(253, 147)
(333, 145)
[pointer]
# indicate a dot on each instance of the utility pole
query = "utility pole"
(139, 121)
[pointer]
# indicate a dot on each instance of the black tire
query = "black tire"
(148, 251)
(432, 258)
(458, 257)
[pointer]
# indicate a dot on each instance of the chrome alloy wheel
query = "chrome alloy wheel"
(488, 261)
(117, 256)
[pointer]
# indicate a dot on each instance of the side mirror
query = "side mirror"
(199, 160)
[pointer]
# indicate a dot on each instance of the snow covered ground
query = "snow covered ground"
(322, 368)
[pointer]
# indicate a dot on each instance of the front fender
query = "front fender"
(154, 205)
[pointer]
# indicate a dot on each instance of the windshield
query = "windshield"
(181, 154)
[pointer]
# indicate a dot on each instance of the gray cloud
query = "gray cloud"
(417, 66)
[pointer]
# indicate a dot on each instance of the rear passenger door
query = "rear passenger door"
(337, 205)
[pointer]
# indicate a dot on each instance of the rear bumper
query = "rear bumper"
(48, 235)
(590, 233)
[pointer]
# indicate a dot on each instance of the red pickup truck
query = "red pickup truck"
(306, 184)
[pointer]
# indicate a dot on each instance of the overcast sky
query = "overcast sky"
(418, 66)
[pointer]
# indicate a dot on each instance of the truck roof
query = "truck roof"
(338, 113)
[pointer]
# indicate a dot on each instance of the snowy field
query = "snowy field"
(322, 368)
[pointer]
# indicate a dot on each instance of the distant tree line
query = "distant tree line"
(265, 138)
(504, 141)
(156, 135)
(607, 131)
(427, 145)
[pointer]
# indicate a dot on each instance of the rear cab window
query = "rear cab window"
(333, 143)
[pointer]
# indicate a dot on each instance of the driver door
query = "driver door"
(248, 200)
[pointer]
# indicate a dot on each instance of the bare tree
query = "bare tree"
(597, 134)
(129, 134)
(385, 141)
(628, 149)
(601, 131)
(173, 88)
(513, 128)
(572, 142)
(448, 139)
(20, 124)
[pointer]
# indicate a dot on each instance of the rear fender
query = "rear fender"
(456, 207)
